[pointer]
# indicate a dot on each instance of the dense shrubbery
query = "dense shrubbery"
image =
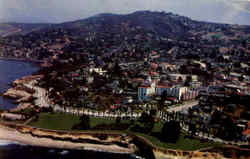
(171, 131)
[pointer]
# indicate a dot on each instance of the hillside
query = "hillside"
(7, 29)
(109, 34)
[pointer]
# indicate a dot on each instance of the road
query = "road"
(40, 93)
(183, 107)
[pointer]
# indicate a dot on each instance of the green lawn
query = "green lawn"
(59, 121)
(181, 144)
(96, 121)
(56, 121)
(65, 122)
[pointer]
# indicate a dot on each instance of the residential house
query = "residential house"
(176, 77)
(98, 70)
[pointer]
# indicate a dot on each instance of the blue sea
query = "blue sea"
(9, 71)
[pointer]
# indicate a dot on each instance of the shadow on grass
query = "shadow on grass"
(161, 138)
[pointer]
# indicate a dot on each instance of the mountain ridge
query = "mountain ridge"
(146, 19)
(108, 34)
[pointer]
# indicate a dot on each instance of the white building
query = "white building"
(171, 91)
(99, 70)
(149, 89)
(176, 77)
(146, 90)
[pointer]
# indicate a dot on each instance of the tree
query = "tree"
(192, 128)
(163, 99)
(118, 120)
(187, 81)
(152, 113)
(148, 121)
(171, 131)
(85, 122)
(117, 69)
(180, 79)
(144, 117)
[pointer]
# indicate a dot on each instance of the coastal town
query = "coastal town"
(184, 89)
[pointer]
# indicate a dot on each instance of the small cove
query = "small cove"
(11, 70)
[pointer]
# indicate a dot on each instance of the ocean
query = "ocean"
(11, 70)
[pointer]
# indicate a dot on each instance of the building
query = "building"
(99, 70)
(175, 91)
(146, 90)
(160, 88)
(150, 88)
(183, 77)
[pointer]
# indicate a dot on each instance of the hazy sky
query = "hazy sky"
(228, 11)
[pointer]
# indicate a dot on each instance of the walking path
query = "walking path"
(186, 105)
(40, 94)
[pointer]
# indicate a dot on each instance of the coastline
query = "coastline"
(20, 59)
(44, 138)
(12, 135)
(8, 133)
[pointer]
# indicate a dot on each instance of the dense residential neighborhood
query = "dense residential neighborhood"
(189, 76)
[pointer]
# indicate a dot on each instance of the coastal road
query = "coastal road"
(183, 107)
(40, 94)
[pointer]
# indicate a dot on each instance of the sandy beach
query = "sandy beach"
(15, 136)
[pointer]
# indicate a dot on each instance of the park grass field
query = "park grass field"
(56, 121)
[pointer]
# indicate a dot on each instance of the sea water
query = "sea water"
(11, 70)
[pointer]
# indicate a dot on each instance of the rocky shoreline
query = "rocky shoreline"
(23, 95)
(27, 95)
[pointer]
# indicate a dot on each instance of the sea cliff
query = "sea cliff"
(108, 142)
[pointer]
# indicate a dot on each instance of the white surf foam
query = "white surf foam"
(65, 152)
(6, 142)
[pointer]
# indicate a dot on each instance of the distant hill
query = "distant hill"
(160, 23)
(7, 29)
(157, 23)
(115, 34)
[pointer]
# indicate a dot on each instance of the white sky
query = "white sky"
(228, 11)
